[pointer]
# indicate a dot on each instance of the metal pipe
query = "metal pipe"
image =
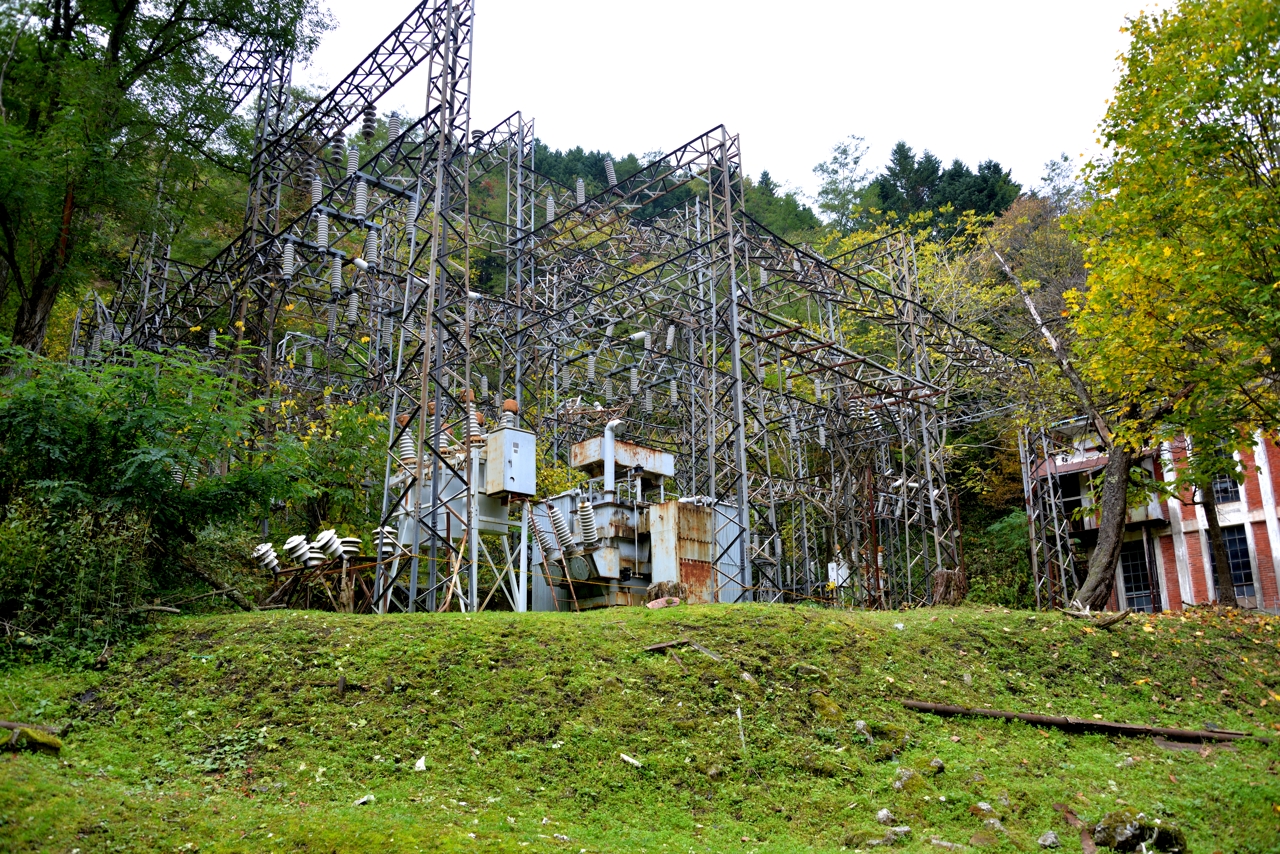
(607, 455)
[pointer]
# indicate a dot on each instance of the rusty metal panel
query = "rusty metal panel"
(699, 580)
(589, 455)
(663, 541)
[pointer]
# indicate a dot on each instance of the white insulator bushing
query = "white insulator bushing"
(608, 390)
(587, 522)
(333, 317)
(317, 189)
(473, 425)
(175, 471)
(353, 308)
(408, 448)
(817, 389)
(822, 435)
(671, 336)
(266, 557)
(551, 208)
(610, 173)
(350, 546)
(393, 127)
(411, 221)
(307, 361)
(608, 331)
(635, 381)
(353, 160)
(648, 400)
(591, 369)
(582, 193)
(362, 199)
(287, 258)
(335, 275)
(77, 352)
(328, 399)
(371, 248)
(322, 231)
(673, 393)
(648, 341)
(561, 527)
(315, 557)
(549, 549)
(385, 540)
(95, 344)
(793, 428)
(790, 385)
(128, 332)
(388, 329)
(213, 337)
(484, 386)
(327, 542)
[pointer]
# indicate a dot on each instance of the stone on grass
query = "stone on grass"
(993, 824)
(1049, 839)
(906, 780)
(367, 799)
(825, 707)
(1130, 830)
(885, 817)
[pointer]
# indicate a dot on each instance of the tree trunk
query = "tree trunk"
(1218, 548)
(1095, 593)
(33, 316)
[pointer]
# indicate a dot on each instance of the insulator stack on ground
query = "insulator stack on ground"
(362, 200)
(385, 540)
(287, 261)
(353, 308)
(266, 557)
(581, 195)
(296, 548)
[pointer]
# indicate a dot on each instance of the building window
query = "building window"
(1225, 490)
(1237, 544)
(1139, 593)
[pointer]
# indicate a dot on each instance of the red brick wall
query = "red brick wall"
(1266, 569)
(1195, 561)
(1173, 589)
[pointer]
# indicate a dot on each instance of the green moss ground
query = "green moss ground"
(228, 733)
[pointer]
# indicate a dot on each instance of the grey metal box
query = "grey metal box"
(511, 467)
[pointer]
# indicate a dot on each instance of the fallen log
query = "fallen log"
(1086, 724)
(49, 729)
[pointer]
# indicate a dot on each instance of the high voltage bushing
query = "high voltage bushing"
(337, 151)
(353, 308)
(286, 260)
(213, 338)
(608, 390)
(609, 173)
(307, 362)
(561, 527)
(371, 254)
(393, 127)
(673, 393)
(484, 386)
(635, 381)
(591, 369)
(587, 522)
(335, 275)
(648, 400)
(671, 336)
(822, 435)
(333, 316)
(353, 160)
(317, 189)
(370, 122)
(581, 195)
(362, 200)
(551, 208)
(322, 231)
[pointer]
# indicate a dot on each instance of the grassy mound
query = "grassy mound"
(230, 733)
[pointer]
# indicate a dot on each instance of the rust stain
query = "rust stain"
(697, 577)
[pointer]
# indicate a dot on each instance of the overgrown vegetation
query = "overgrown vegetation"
(230, 734)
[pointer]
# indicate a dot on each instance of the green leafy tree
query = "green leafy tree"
(844, 183)
(102, 103)
(1179, 321)
(780, 212)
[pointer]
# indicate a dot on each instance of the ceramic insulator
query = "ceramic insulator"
(587, 522)
(582, 193)
(322, 231)
(591, 369)
(353, 160)
(561, 526)
(635, 381)
(610, 173)
(362, 199)
(286, 261)
(353, 308)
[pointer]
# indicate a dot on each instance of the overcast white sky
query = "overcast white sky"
(1018, 82)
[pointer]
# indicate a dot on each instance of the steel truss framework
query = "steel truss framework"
(809, 398)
